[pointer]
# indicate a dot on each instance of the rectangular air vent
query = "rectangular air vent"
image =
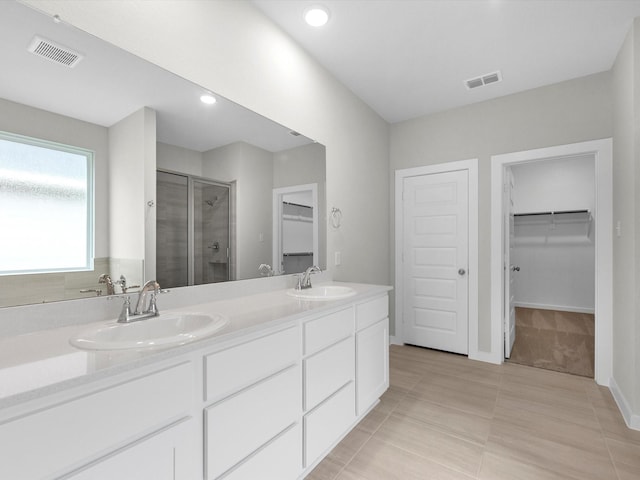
(54, 52)
(487, 79)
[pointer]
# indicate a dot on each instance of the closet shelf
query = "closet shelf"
(553, 219)
(584, 213)
(297, 218)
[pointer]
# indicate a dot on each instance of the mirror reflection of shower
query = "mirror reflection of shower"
(193, 230)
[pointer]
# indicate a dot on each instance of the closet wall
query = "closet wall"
(555, 253)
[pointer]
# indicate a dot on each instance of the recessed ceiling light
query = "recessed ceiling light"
(208, 99)
(316, 16)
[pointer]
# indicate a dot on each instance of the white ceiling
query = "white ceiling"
(407, 58)
(109, 84)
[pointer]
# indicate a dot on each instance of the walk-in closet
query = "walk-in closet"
(552, 263)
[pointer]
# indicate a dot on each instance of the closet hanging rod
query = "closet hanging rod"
(559, 212)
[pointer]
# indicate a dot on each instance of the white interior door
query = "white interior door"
(435, 260)
(509, 309)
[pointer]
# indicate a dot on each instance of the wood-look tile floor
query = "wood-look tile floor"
(447, 417)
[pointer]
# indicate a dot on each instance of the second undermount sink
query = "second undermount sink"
(168, 329)
(323, 293)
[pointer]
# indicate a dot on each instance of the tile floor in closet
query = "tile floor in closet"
(448, 417)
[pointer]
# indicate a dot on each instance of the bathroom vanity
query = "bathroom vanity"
(266, 397)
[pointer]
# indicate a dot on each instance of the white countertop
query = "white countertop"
(39, 363)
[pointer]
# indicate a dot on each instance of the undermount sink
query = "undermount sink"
(168, 329)
(323, 293)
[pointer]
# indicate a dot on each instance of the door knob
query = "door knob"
(462, 271)
(515, 268)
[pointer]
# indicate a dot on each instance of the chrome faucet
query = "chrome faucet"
(305, 280)
(138, 314)
(106, 279)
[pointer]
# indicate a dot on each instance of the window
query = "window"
(46, 206)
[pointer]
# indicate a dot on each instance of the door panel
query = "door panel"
(509, 270)
(435, 256)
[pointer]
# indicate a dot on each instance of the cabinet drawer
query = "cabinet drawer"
(57, 437)
(279, 460)
(324, 426)
(239, 425)
(322, 332)
(370, 312)
(230, 370)
(327, 371)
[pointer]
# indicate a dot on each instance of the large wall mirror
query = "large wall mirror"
(180, 190)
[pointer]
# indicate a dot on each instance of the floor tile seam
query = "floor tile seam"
(542, 464)
(443, 430)
(559, 416)
(602, 430)
(609, 435)
(543, 435)
(557, 389)
(442, 464)
(613, 462)
(487, 394)
(352, 457)
(452, 382)
(449, 406)
(562, 451)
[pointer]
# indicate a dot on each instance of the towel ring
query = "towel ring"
(336, 217)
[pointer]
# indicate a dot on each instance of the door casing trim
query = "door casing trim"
(471, 166)
(602, 152)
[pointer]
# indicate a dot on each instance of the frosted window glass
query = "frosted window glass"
(46, 206)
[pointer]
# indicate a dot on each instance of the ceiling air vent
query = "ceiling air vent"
(54, 52)
(487, 79)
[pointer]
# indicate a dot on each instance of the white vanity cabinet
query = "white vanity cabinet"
(107, 431)
(372, 352)
(252, 424)
(267, 404)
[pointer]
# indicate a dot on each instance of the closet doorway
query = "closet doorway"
(192, 230)
(601, 225)
(550, 279)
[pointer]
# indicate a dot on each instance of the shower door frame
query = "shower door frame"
(191, 221)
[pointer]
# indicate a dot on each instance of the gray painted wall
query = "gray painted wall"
(568, 112)
(626, 181)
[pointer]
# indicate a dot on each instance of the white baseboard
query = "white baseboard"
(393, 340)
(560, 308)
(632, 420)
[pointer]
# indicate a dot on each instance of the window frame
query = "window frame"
(90, 220)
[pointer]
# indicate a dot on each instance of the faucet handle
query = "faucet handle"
(153, 306)
(125, 314)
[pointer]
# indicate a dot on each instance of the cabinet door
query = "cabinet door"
(372, 364)
(161, 456)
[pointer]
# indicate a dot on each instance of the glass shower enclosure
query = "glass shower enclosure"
(192, 230)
